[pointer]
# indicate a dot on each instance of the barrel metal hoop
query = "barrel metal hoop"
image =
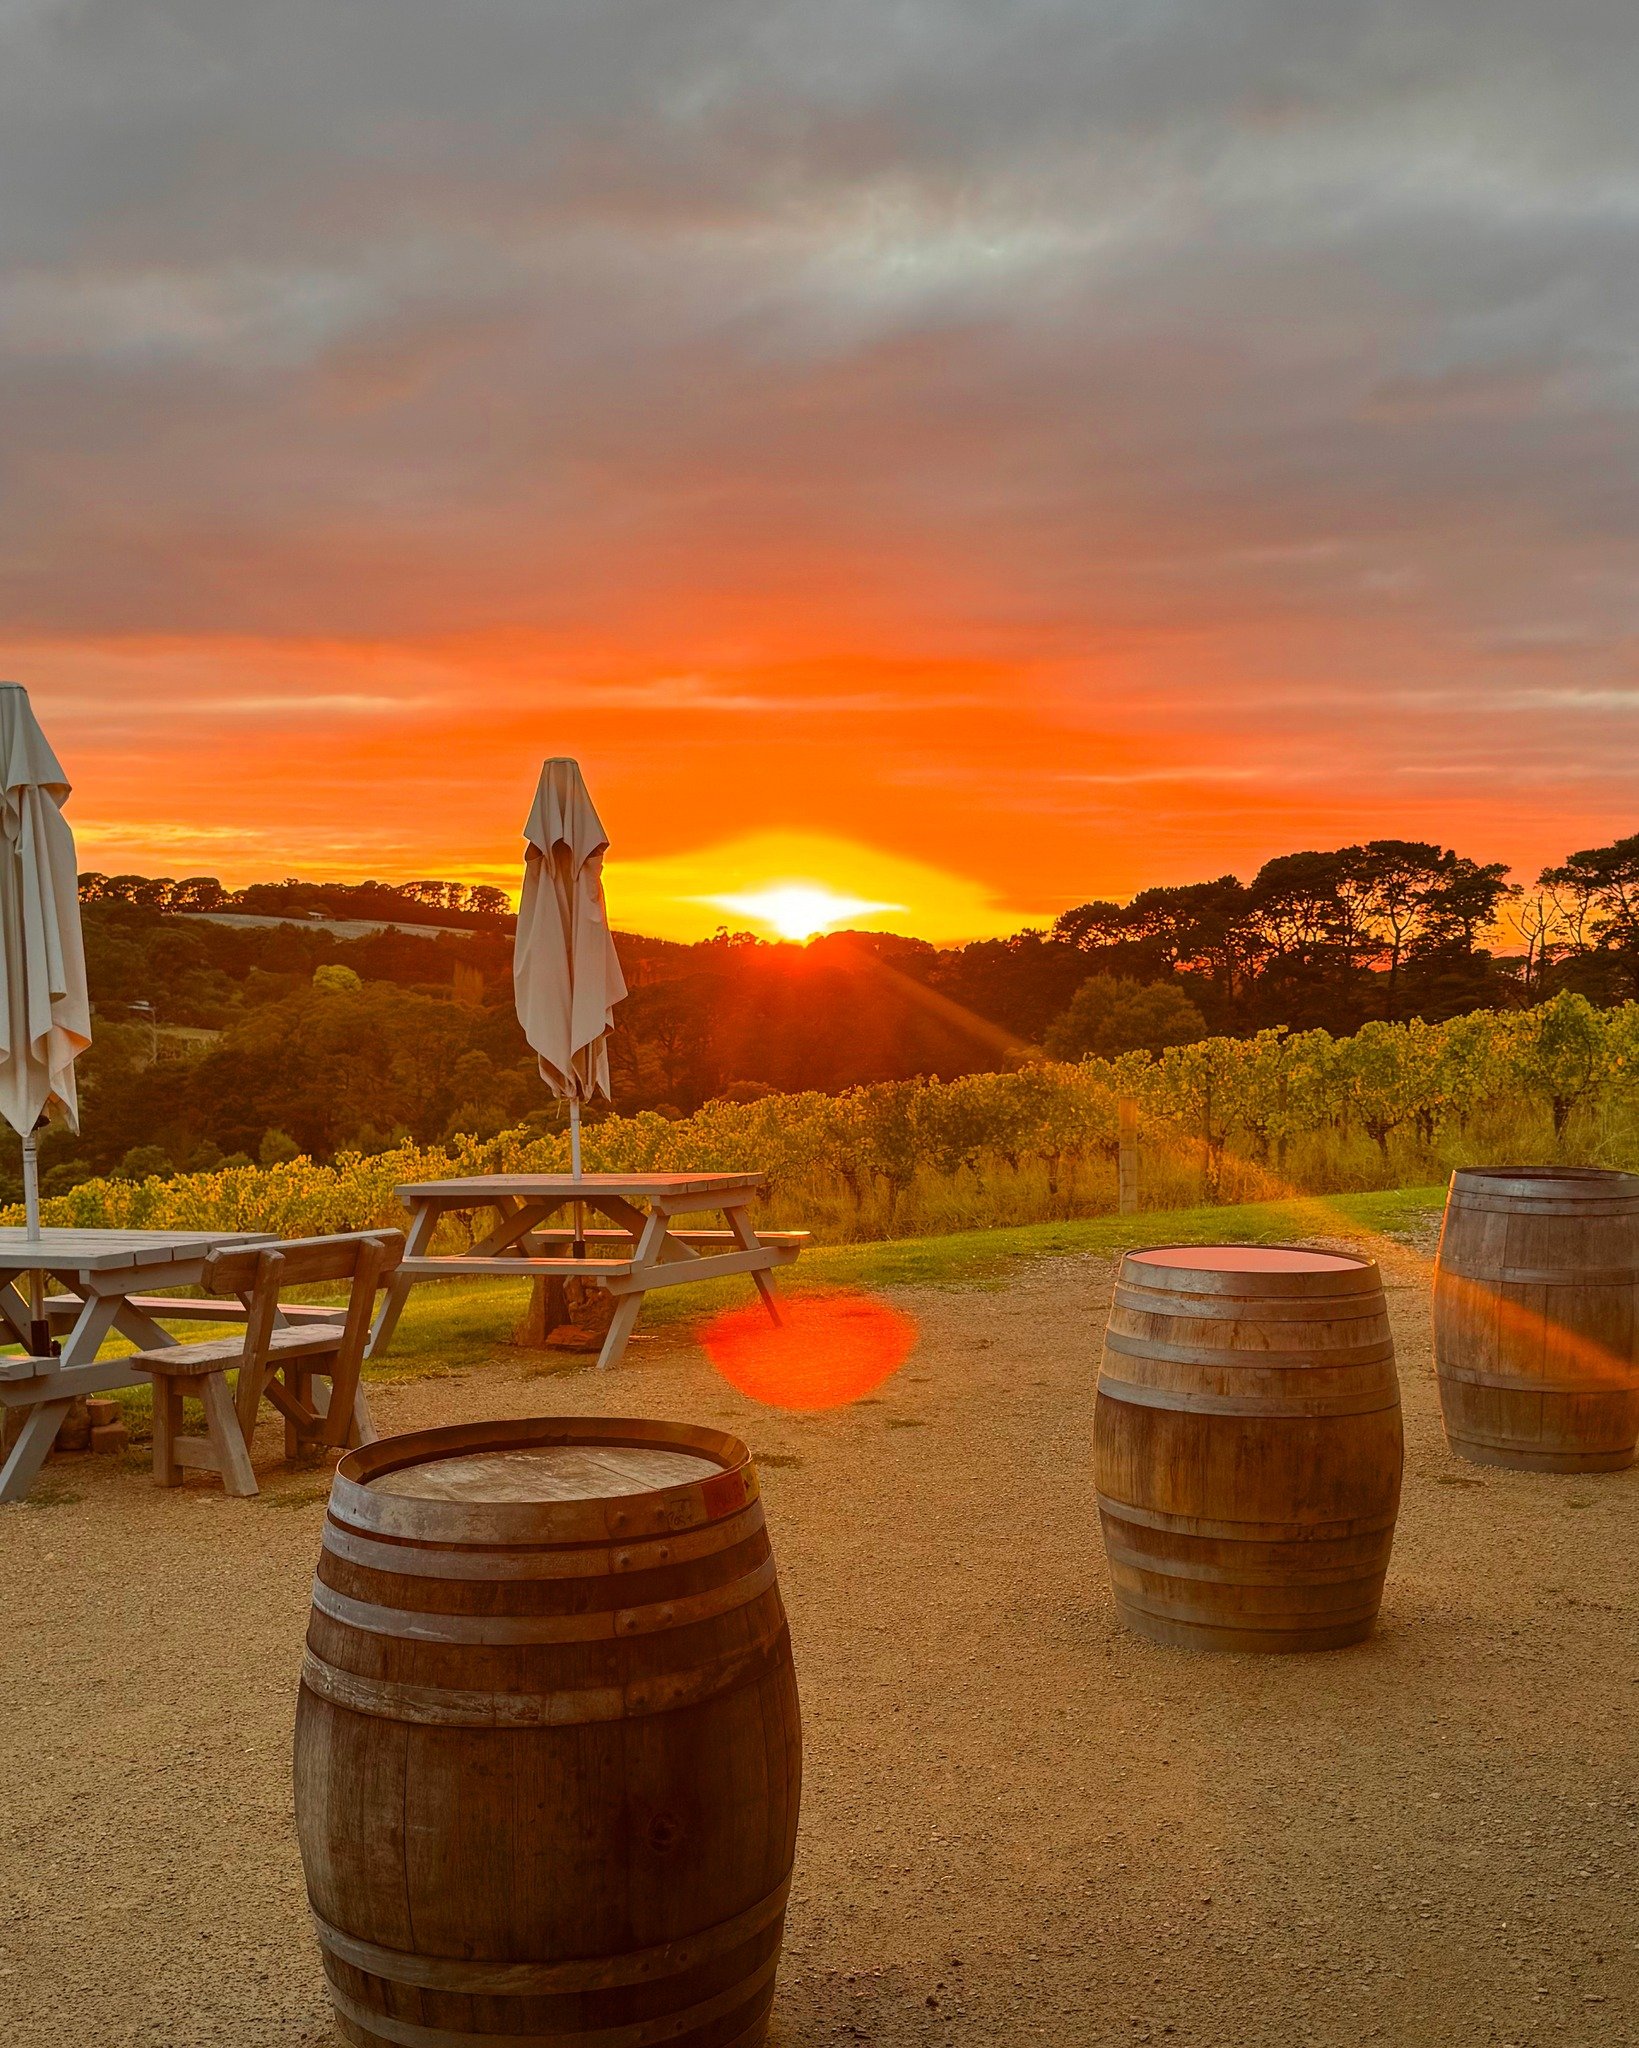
(1235, 1359)
(1492, 1441)
(641, 2034)
(603, 1559)
(1538, 1207)
(499, 1630)
(1293, 1577)
(1245, 1532)
(1310, 1407)
(1538, 1276)
(447, 1706)
(1552, 1457)
(544, 1980)
(1221, 1308)
(1617, 1386)
(1267, 1622)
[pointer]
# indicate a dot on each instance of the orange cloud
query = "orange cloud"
(1156, 757)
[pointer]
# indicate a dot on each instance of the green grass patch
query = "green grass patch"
(452, 1327)
(986, 1257)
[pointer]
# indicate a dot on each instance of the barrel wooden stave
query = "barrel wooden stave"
(1248, 1451)
(616, 1865)
(1536, 1318)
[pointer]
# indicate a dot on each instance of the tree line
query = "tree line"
(425, 902)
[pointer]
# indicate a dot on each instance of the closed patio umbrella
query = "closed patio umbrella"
(45, 1015)
(565, 972)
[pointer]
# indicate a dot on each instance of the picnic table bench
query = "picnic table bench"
(111, 1278)
(639, 1248)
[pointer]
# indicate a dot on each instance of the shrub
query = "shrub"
(1110, 1015)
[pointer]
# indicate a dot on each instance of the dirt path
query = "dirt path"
(1020, 1824)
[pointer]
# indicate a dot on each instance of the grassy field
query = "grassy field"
(454, 1326)
(449, 1322)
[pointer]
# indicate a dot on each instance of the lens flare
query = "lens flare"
(830, 1349)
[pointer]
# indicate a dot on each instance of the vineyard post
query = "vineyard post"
(1126, 1169)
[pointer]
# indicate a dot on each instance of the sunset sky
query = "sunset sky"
(974, 456)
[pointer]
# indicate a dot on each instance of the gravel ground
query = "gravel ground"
(1020, 1823)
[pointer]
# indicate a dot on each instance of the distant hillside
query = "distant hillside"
(314, 1017)
(338, 927)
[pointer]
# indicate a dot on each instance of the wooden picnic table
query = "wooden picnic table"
(644, 1249)
(103, 1271)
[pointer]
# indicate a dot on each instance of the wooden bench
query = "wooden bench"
(650, 1230)
(795, 1239)
(278, 1362)
(62, 1309)
(201, 1370)
(500, 1264)
(524, 1266)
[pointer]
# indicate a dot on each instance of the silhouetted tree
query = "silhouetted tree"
(1110, 1015)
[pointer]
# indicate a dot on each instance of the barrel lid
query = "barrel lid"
(547, 1472)
(1247, 1272)
(1246, 1258)
(543, 1479)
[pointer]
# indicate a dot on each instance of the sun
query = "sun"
(683, 895)
(799, 910)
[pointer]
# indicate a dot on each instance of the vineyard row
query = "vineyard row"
(1218, 1120)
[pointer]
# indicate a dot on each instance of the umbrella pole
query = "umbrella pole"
(31, 1185)
(39, 1329)
(574, 1168)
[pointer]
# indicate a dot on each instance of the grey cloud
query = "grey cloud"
(1010, 323)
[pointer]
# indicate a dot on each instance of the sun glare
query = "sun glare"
(830, 1349)
(799, 910)
(684, 895)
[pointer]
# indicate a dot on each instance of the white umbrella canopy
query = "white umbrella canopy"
(565, 972)
(45, 1014)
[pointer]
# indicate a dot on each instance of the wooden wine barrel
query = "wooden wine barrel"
(1536, 1317)
(1247, 1446)
(547, 1749)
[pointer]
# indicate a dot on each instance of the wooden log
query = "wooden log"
(1536, 1317)
(548, 1308)
(1247, 1447)
(547, 1744)
(74, 1431)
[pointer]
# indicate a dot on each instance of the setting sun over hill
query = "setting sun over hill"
(793, 885)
